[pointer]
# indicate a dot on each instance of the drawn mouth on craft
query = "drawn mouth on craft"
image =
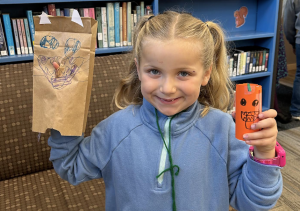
(249, 117)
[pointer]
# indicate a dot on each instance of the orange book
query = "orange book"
(124, 23)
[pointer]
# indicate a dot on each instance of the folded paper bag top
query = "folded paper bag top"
(62, 101)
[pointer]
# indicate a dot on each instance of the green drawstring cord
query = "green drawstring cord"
(170, 159)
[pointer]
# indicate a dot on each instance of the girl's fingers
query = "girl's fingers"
(265, 123)
(262, 134)
(271, 113)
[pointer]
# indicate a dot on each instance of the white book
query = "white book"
(104, 27)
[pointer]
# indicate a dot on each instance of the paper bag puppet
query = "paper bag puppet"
(248, 106)
(61, 98)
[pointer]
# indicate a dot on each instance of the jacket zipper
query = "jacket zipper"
(164, 153)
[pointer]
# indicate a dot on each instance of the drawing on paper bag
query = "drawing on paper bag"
(70, 64)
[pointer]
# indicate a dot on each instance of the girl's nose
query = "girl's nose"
(168, 86)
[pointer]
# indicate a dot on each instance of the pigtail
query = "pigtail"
(217, 92)
(129, 89)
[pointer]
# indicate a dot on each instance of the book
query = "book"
(149, 10)
(134, 19)
(24, 36)
(16, 36)
(121, 26)
(117, 23)
(92, 15)
(104, 27)
(20, 36)
(86, 12)
(71, 11)
(132, 22)
(45, 9)
(138, 13)
(142, 7)
(67, 12)
(8, 34)
(81, 13)
(129, 27)
(51, 9)
(31, 25)
(57, 12)
(99, 20)
(28, 35)
(266, 63)
(62, 13)
(110, 24)
(124, 23)
(3, 46)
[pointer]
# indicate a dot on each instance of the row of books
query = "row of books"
(16, 37)
(245, 60)
(116, 23)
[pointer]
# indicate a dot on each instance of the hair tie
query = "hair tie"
(150, 17)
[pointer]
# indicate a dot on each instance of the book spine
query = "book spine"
(138, 13)
(129, 27)
(81, 13)
(247, 63)
(264, 60)
(14, 23)
(235, 61)
(266, 63)
(230, 66)
(62, 13)
(142, 5)
(8, 34)
(121, 26)
(92, 15)
(238, 64)
(28, 35)
(24, 36)
(20, 36)
(124, 24)
(260, 61)
(132, 24)
(99, 20)
(134, 20)
(243, 63)
(67, 12)
(31, 25)
(71, 12)
(3, 46)
(104, 27)
(110, 24)
(45, 9)
(57, 12)
(250, 63)
(117, 23)
(85, 12)
(51, 9)
(254, 62)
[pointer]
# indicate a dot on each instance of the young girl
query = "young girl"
(171, 146)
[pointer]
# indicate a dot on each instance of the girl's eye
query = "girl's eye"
(154, 72)
(184, 74)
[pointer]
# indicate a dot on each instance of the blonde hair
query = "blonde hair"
(174, 25)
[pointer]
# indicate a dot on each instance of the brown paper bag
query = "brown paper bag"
(62, 102)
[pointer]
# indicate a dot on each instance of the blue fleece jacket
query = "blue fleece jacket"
(126, 149)
(291, 23)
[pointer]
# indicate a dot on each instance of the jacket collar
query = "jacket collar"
(183, 121)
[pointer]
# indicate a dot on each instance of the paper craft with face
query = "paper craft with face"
(248, 107)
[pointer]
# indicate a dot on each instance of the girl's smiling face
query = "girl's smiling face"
(171, 74)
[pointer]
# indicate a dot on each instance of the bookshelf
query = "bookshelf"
(260, 29)
(17, 9)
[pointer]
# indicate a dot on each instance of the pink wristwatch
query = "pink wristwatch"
(279, 160)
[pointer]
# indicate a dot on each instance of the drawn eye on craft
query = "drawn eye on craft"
(72, 45)
(243, 102)
(255, 103)
(49, 42)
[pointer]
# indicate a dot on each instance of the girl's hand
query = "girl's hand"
(264, 141)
